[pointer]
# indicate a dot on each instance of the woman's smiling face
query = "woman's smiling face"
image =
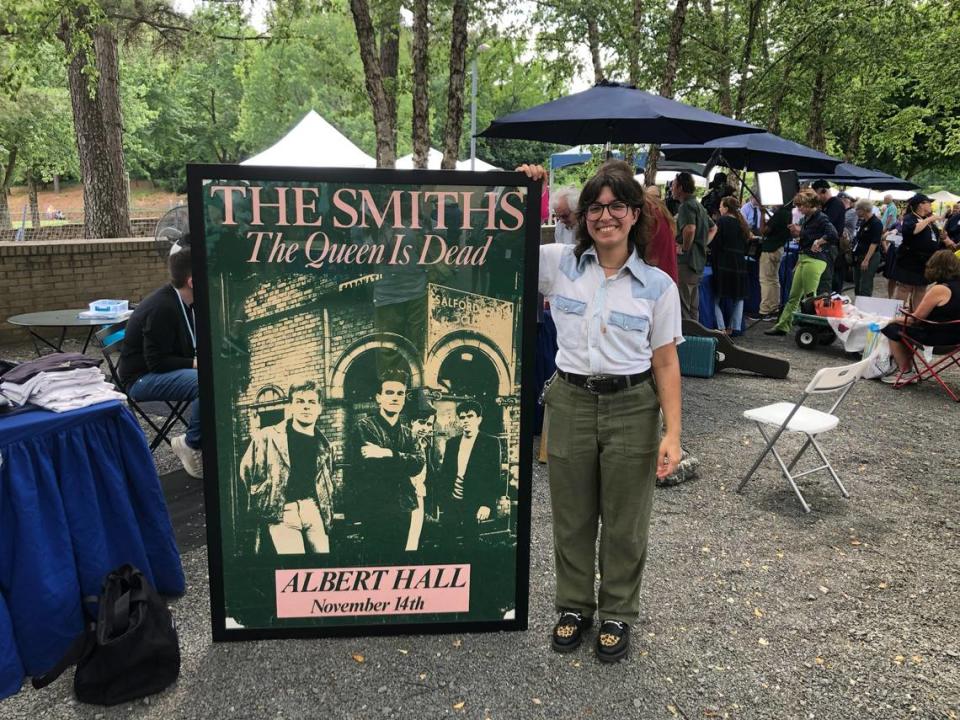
(607, 231)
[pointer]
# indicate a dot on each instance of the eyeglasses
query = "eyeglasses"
(617, 209)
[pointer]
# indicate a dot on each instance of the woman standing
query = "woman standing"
(728, 251)
(618, 322)
(920, 241)
(866, 248)
(814, 235)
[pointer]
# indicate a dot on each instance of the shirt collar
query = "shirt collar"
(634, 264)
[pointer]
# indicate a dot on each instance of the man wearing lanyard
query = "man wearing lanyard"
(159, 356)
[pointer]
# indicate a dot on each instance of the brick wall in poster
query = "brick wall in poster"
(70, 273)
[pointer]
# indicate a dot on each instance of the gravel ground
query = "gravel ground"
(751, 609)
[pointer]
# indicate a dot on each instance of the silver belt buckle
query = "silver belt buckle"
(593, 381)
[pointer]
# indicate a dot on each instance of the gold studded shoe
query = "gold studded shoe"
(568, 632)
(613, 641)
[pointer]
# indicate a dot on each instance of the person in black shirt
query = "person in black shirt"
(158, 360)
(866, 248)
(941, 304)
(834, 209)
(719, 189)
(383, 458)
(952, 228)
(288, 472)
(920, 241)
(775, 239)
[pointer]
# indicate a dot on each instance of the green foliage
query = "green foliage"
(200, 89)
(184, 107)
(318, 68)
(36, 125)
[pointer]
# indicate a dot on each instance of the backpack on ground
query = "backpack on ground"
(130, 651)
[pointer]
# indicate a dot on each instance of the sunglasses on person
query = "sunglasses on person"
(617, 210)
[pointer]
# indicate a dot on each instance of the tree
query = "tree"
(669, 78)
(36, 135)
(457, 79)
(46, 147)
(421, 84)
(384, 119)
(93, 71)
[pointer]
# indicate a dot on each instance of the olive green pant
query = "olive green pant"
(602, 455)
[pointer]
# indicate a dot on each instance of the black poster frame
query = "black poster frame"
(196, 175)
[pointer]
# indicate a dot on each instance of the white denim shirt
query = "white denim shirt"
(608, 325)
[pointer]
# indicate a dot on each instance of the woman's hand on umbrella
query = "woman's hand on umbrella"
(534, 172)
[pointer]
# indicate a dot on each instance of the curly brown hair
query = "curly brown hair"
(618, 176)
(942, 266)
(807, 198)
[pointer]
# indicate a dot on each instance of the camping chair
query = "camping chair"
(797, 418)
(949, 354)
(110, 340)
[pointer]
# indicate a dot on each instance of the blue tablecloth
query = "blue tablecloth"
(79, 496)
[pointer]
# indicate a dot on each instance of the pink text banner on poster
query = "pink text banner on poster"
(402, 589)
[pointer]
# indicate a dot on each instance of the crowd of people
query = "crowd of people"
(836, 238)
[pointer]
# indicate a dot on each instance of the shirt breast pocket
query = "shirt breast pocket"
(627, 334)
(569, 315)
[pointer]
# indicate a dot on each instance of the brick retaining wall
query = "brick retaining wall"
(62, 274)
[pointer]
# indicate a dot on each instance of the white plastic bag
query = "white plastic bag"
(877, 349)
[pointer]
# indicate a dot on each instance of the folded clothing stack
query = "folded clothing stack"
(58, 382)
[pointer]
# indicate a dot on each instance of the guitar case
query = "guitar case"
(731, 356)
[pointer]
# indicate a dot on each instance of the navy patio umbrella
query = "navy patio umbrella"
(615, 113)
(848, 174)
(755, 152)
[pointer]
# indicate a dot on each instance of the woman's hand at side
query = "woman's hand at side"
(666, 372)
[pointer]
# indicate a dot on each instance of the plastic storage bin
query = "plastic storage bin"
(109, 307)
(698, 356)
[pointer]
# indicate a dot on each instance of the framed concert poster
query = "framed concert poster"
(366, 342)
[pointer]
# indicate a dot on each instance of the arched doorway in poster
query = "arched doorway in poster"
(465, 364)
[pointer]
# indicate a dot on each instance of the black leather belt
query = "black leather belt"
(604, 384)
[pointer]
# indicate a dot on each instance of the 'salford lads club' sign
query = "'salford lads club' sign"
(366, 359)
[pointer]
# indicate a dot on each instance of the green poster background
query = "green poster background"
(341, 279)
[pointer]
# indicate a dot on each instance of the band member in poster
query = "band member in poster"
(383, 459)
(424, 418)
(470, 476)
(288, 470)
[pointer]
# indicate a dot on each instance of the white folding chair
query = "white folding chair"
(796, 418)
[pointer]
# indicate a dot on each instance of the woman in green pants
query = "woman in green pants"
(814, 235)
(618, 322)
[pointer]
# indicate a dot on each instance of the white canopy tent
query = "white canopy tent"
(665, 177)
(867, 194)
(945, 196)
(435, 158)
(313, 142)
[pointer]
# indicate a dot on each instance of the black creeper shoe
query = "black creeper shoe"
(613, 641)
(568, 632)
